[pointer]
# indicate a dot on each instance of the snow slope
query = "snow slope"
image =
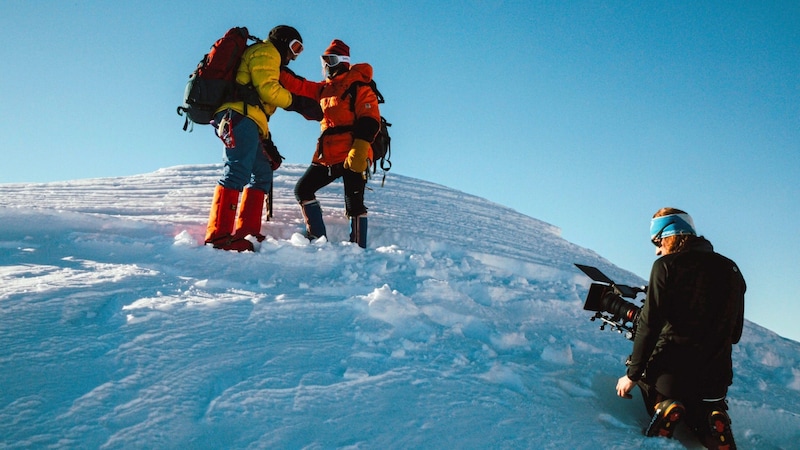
(459, 327)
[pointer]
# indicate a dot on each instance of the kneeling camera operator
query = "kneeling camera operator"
(683, 335)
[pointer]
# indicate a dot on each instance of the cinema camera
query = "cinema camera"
(605, 298)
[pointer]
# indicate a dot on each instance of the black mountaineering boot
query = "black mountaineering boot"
(666, 416)
(312, 213)
(721, 437)
(358, 230)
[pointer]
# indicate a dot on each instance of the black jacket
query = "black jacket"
(692, 316)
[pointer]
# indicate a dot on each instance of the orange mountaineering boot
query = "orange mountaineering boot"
(249, 220)
(220, 221)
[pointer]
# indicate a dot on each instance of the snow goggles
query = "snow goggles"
(671, 225)
(656, 240)
(296, 47)
(334, 60)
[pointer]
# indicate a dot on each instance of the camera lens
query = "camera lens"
(619, 308)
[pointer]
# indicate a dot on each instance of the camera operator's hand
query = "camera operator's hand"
(624, 386)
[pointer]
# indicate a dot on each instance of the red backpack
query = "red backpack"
(213, 82)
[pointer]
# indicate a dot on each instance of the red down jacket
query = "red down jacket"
(341, 123)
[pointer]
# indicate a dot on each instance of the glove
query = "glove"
(357, 158)
(306, 107)
(271, 152)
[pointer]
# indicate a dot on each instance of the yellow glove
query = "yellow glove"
(357, 158)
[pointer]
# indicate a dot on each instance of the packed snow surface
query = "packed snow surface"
(461, 326)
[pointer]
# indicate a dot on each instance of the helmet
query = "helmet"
(287, 40)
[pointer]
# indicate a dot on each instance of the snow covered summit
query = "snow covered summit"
(459, 327)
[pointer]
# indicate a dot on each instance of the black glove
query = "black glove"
(306, 107)
(272, 153)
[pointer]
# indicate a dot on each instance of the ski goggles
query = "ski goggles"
(334, 60)
(671, 225)
(296, 47)
(656, 240)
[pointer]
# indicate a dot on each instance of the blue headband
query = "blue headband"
(672, 225)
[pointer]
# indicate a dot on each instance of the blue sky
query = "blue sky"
(588, 115)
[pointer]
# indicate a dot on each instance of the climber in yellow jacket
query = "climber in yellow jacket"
(250, 156)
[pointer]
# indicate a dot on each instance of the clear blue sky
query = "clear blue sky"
(588, 115)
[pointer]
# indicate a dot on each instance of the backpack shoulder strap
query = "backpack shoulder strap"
(353, 90)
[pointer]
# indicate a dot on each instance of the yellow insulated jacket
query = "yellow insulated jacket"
(261, 66)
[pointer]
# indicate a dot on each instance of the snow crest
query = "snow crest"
(461, 326)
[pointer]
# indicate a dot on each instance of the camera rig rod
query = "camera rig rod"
(609, 321)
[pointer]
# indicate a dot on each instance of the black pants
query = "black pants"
(318, 176)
